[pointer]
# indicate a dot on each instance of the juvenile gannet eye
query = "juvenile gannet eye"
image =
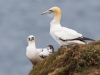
(32, 38)
(28, 38)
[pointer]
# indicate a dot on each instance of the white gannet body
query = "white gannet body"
(62, 35)
(31, 52)
(34, 54)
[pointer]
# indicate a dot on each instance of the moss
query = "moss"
(74, 60)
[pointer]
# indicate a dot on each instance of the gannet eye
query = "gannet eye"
(50, 11)
(28, 38)
(32, 38)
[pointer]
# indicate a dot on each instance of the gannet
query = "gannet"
(34, 54)
(62, 35)
(46, 51)
(31, 51)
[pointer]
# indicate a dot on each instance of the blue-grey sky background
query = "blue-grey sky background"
(21, 18)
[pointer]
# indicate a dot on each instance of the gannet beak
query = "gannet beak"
(47, 12)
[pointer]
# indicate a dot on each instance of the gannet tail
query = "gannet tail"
(85, 38)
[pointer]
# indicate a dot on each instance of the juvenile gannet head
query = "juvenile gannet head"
(56, 11)
(50, 48)
(30, 38)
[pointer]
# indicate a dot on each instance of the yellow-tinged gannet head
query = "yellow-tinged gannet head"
(57, 13)
(55, 10)
(31, 38)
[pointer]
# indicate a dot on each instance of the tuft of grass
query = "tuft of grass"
(74, 60)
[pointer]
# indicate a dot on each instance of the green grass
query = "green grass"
(74, 60)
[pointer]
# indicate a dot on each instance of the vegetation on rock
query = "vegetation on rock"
(74, 60)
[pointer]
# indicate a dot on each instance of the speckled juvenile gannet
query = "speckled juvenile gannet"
(36, 55)
(46, 51)
(63, 35)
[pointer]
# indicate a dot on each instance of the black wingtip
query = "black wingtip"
(85, 38)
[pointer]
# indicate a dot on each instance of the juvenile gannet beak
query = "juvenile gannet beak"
(47, 12)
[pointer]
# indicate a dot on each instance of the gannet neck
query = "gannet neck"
(57, 14)
(31, 44)
(57, 17)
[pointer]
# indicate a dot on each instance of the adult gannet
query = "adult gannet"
(63, 35)
(34, 54)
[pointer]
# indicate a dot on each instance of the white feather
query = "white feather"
(34, 54)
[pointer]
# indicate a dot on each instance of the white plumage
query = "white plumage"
(36, 55)
(63, 35)
(31, 52)
(46, 51)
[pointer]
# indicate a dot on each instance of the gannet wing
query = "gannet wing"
(66, 34)
(44, 54)
(40, 50)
